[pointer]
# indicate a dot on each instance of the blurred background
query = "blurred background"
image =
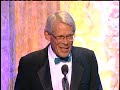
(97, 28)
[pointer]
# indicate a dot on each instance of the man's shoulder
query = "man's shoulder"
(34, 57)
(38, 53)
(86, 54)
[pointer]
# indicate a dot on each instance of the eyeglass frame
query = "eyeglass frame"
(63, 37)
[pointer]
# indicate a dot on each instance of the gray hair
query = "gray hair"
(62, 16)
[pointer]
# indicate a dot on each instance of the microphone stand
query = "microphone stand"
(65, 86)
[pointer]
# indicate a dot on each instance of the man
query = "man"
(40, 70)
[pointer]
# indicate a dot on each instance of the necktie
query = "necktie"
(58, 60)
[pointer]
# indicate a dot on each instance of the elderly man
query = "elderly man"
(41, 70)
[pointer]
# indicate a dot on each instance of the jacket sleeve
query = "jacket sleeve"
(95, 82)
(22, 81)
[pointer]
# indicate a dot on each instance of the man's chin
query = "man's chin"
(64, 55)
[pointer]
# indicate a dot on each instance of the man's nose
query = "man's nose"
(65, 41)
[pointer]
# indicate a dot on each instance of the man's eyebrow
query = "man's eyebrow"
(60, 36)
(66, 35)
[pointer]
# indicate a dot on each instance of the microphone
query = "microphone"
(65, 83)
(64, 69)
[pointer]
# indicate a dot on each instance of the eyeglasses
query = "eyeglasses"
(61, 38)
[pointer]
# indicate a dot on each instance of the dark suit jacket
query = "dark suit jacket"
(34, 71)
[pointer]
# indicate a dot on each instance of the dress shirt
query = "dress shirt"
(55, 70)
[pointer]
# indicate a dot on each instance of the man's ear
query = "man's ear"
(47, 35)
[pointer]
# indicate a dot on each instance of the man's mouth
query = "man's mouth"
(64, 49)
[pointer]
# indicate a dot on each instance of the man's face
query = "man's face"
(61, 48)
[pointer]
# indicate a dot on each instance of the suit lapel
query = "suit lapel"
(77, 71)
(44, 72)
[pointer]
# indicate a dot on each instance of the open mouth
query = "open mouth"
(65, 50)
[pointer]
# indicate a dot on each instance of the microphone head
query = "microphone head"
(64, 69)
